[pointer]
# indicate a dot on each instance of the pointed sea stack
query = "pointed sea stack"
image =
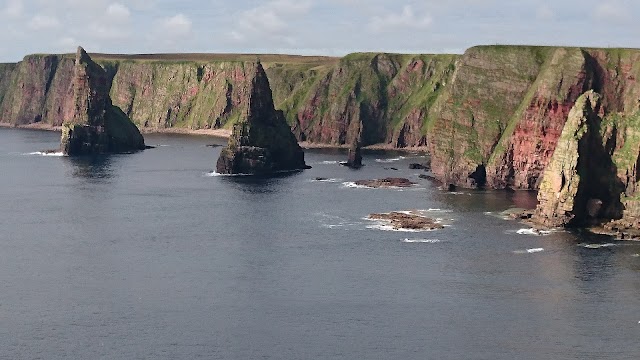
(97, 126)
(355, 156)
(261, 142)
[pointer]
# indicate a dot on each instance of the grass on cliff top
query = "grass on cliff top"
(196, 57)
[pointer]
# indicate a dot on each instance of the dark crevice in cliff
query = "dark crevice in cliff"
(200, 73)
(595, 73)
(52, 73)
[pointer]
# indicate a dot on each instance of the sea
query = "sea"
(153, 255)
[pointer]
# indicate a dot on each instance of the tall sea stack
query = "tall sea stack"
(97, 126)
(261, 142)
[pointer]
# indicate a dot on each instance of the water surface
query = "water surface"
(151, 256)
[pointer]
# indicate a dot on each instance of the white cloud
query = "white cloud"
(544, 12)
(611, 10)
(66, 44)
(406, 19)
(270, 21)
(118, 11)
(43, 22)
(178, 25)
(14, 8)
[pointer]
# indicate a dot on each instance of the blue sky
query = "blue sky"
(323, 27)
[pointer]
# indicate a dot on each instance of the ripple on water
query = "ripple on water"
(529, 251)
(421, 241)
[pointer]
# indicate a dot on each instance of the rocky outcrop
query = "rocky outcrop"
(95, 126)
(407, 220)
(261, 142)
(386, 183)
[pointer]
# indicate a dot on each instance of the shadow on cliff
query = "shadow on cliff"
(598, 197)
(93, 168)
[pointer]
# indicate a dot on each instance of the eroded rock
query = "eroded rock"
(407, 220)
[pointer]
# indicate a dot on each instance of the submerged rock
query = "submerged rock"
(96, 126)
(386, 183)
(407, 220)
(418, 166)
(261, 142)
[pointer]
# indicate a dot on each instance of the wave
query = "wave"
(353, 185)
(45, 153)
(597, 246)
(421, 241)
(533, 232)
(437, 210)
(529, 251)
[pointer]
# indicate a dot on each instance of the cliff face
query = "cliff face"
(39, 90)
(373, 98)
(491, 117)
(499, 122)
(261, 142)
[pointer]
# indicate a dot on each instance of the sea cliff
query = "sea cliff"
(490, 117)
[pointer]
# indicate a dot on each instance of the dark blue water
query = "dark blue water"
(148, 256)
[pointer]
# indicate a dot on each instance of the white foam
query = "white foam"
(386, 161)
(45, 153)
(353, 185)
(330, 162)
(459, 193)
(635, 255)
(529, 251)
(533, 232)
(216, 174)
(421, 241)
(386, 227)
(597, 246)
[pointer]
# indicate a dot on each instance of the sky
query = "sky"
(309, 27)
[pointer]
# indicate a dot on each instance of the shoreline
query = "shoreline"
(225, 134)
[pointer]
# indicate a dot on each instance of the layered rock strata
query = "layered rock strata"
(95, 125)
(261, 142)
